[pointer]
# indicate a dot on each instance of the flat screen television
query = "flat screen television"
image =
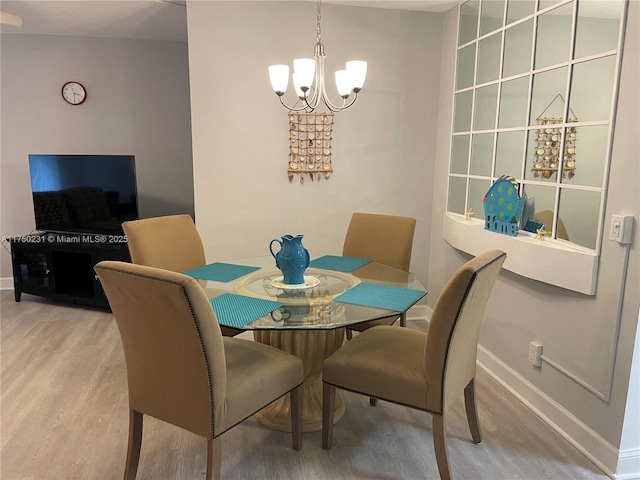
(90, 194)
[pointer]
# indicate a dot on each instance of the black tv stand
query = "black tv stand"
(60, 266)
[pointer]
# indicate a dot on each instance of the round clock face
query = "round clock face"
(74, 93)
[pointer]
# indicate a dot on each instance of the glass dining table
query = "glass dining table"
(309, 320)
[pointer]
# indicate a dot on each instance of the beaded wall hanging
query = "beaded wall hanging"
(547, 146)
(310, 145)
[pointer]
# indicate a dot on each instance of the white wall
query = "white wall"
(630, 442)
(382, 146)
(577, 331)
(137, 103)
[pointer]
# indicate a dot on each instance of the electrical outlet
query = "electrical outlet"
(535, 354)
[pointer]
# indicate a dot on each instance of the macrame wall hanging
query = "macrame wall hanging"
(310, 145)
(547, 145)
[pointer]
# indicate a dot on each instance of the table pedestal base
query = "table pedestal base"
(313, 347)
(278, 417)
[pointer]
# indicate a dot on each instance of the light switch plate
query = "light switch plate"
(621, 226)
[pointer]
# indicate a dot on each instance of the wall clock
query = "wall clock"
(74, 93)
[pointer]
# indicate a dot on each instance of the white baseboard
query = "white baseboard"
(628, 465)
(583, 438)
(6, 283)
(417, 313)
(617, 465)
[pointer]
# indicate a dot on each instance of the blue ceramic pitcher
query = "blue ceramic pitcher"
(292, 259)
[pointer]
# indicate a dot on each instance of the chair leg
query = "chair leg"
(328, 410)
(349, 334)
(133, 449)
(440, 445)
(295, 397)
(214, 459)
(471, 407)
(403, 320)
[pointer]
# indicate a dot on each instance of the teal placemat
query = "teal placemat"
(220, 272)
(381, 296)
(237, 310)
(341, 264)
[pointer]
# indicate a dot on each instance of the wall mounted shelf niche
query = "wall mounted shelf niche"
(543, 260)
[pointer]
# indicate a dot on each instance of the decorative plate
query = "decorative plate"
(309, 282)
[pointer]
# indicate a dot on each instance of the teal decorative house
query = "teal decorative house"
(503, 206)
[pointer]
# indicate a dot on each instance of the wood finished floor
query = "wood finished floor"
(64, 416)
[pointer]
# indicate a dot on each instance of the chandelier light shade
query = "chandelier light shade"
(357, 70)
(309, 80)
(279, 76)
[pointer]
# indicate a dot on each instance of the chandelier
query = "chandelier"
(309, 79)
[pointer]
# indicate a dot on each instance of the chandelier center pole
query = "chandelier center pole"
(318, 20)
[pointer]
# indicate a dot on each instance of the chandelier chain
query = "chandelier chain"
(318, 34)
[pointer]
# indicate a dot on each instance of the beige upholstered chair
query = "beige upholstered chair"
(385, 239)
(172, 243)
(429, 370)
(181, 370)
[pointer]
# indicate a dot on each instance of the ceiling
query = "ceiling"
(138, 19)
(143, 19)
